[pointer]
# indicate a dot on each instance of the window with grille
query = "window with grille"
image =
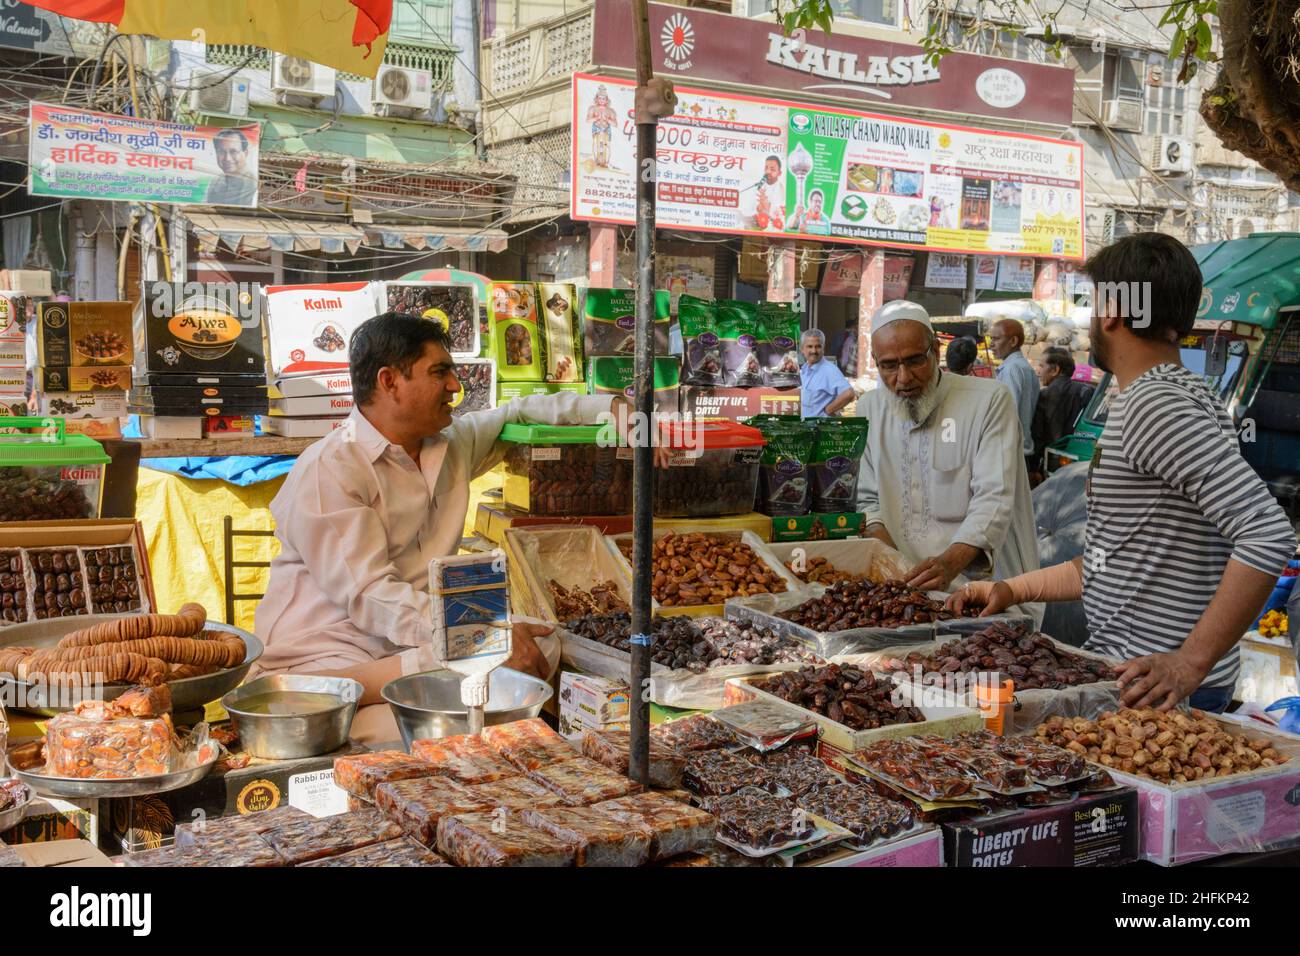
(428, 20)
(997, 41)
(1166, 99)
(431, 56)
(872, 11)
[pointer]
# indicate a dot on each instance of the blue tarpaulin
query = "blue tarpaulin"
(239, 470)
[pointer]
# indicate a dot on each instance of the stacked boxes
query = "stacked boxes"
(13, 358)
(308, 406)
(536, 338)
(80, 358)
(609, 317)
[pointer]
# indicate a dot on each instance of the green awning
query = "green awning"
(1249, 280)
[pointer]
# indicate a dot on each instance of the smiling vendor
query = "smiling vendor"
(366, 508)
(825, 390)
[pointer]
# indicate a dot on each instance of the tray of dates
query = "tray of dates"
(870, 818)
(851, 706)
(758, 824)
(907, 766)
(993, 772)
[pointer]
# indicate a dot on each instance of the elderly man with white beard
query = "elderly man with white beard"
(943, 479)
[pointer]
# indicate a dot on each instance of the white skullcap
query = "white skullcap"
(897, 310)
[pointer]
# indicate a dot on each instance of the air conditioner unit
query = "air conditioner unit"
(397, 88)
(1172, 154)
(210, 94)
(294, 76)
(1124, 113)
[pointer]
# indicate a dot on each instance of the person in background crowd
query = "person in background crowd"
(1184, 541)
(366, 508)
(961, 355)
(1006, 339)
(825, 390)
(845, 348)
(941, 479)
(1059, 403)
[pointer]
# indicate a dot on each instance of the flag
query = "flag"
(346, 34)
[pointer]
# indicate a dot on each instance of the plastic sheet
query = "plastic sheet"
(417, 805)
(674, 827)
(312, 839)
(610, 748)
(86, 747)
(528, 744)
(401, 852)
(361, 773)
(581, 782)
(571, 556)
(598, 838)
(694, 733)
(500, 839)
(465, 757)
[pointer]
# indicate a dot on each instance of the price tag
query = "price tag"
(317, 794)
(546, 454)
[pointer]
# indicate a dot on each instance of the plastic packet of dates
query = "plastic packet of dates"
(766, 724)
(759, 824)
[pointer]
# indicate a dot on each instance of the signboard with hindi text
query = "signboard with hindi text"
(88, 155)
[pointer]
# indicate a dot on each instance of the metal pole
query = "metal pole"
(654, 98)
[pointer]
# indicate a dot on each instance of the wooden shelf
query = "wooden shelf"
(221, 447)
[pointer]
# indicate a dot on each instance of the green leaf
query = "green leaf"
(1178, 43)
(789, 21)
(1204, 38)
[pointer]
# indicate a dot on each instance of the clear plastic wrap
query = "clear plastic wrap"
(572, 557)
(581, 782)
(465, 757)
(359, 774)
(599, 839)
(758, 823)
(189, 835)
(231, 847)
(112, 749)
(528, 744)
(905, 764)
(766, 724)
(696, 732)
(517, 793)
(864, 814)
(793, 769)
(500, 839)
(305, 840)
(611, 748)
(715, 854)
(417, 805)
(719, 772)
(390, 853)
(674, 827)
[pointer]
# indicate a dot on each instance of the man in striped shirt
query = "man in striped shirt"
(1184, 541)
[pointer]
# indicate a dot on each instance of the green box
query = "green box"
(842, 525)
(506, 391)
(833, 527)
(792, 527)
(615, 375)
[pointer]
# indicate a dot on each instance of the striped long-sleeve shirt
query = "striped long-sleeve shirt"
(1170, 500)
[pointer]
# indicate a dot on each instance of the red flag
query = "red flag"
(96, 11)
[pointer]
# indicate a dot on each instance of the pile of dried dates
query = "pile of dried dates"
(820, 571)
(678, 642)
(1030, 659)
(699, 568)
(57, 588)
(741, 642)
(845, 694)
(13, 587)
(572, 603)
(851, 604)
(584, 480)
(31, 497)
(709, 486)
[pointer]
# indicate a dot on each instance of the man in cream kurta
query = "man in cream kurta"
(942, 479)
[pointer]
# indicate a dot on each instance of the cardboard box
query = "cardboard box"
(200, 327)
(591, 703)
(198, 379)
(508, 391)
(83, 334)
(160, 427)
(792, 527)
(97, 404)
(491, 521)
(919, 849)
(86, 533)
(96, 428)
(455, 307)
(69, 853)
(56, 818)
(200, 407)
(309, 327)
(221, 427)
(817, 527)
(841, 525)
(300, 387)
(195, 394)
(13, 333)
(62, 378)
(13, 379)
(737, 404)
(1094, 830)
(27, 281)
(314, 406)
(13, 403)
(478, 386)
(300, 427)
(616, 376)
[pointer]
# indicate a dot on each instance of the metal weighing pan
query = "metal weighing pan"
(187, 694)
(428, 705)
(37, 779)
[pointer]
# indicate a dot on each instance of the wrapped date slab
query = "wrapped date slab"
(8, 857)
(674, 827)
(516, 793)
(793, 769)
(864, 814)
(86, 747)
(717, 772)
(232, 847)
(197, 834)
(612, 748)
(697, 732)
(995, 773)
(754, 820)
(528, 744)
(716, 854)
(359, 774)
(581, 782)
(906, 764)
(766, 724)
(499, 839)
(418, 804)
(465, 757)
(389, 853)
(306, 840)
(599, 839)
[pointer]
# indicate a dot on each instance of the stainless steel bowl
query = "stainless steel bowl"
(289, 736)
(428, 705)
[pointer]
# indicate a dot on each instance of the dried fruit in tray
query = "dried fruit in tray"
(499, 839)
(598, 838)
(821, 571)
(674, 827)
(528, 744)
(744, 642)
(390, 853)
(845, 694)
(715, 854)
(905, 764)
(197, 834)
(114, 749)
(418, 804)
(574, 602)
(854, 604)
(793, 769)
(678, 642)
(581, 782)
(765, 724)
(465, 757)
(718, 772)
(304, 840)
(611, 748)
(755, 820)
(696, 732)
(700, 568)
(1032, 660)
(1046, 764)
(359, 774)
(995, 772)
(867, 816)
(516, 793)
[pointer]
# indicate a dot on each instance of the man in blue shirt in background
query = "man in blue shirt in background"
(1005, 339)
(825, 389)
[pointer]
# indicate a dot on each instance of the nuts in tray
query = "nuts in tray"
(13, 587)
(845, 694)
(851, 604)
(867, 816)
(1030, 659)
(820, 570)
(574, 602)
(758, 820)
(711, 486)
(583, 480)
(693, 733)
(700, 568)
(57, 588)
(1166, 746)
(32, 497)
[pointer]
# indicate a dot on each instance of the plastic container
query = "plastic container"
(47, 474)
(714, 470)
(561, 470)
